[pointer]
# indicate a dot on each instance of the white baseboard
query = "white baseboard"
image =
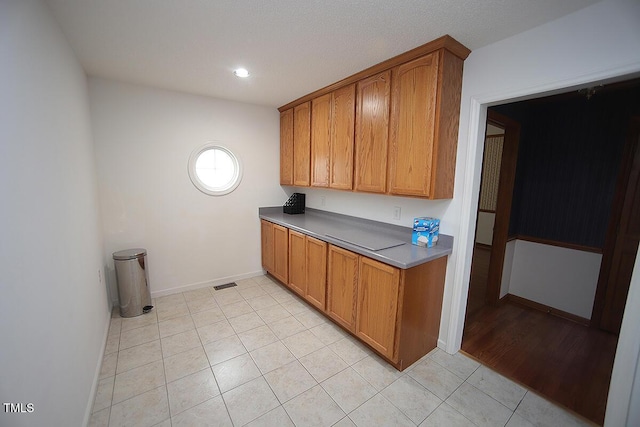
(208, 283)
(96, 376)
(442, 345)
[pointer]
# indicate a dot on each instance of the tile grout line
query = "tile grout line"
(205, 354)
(210, 367)
(208, 362)
(281, 404)
(518, 405)
(214, 376)
(406, 375)
(270, 328)
(166, 386)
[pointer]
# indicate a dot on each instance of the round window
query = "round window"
(214, 170)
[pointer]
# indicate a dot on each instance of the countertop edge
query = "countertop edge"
(406, 257)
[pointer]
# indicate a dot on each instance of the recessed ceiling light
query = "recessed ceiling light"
(241, 72)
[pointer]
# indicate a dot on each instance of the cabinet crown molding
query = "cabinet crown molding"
(445, 42)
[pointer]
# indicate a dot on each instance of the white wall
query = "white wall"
(144, 138)
(561, 278)
(484, 228)
(53, 308)
(623, 404)
(595, 44)
(507, 267)
(376, 207)
(50, 249)
(633, 419)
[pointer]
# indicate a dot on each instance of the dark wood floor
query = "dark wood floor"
(564, 361)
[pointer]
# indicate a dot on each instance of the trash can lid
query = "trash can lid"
(130, 253)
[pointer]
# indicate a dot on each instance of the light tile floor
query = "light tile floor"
(257, 355)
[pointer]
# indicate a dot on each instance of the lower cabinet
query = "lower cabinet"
(316, 260)
(395, 311)
(308, 268)
(275, 250)
(297, 263)
(398, 311)
(377, 305)
(281, 252)
(342, 286)
(362, 296)
(266, 232)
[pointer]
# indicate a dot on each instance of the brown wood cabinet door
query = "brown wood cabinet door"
(412, 133)
(342, 285)
(343, 118)
(316, 262)
(378, 286)
(281, 253)
(372, 132)
(321, 108)
(266, 232)
(302, 144)
(286, 147)
(297, 263)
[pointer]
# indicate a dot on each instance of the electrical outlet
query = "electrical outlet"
(99, 276)
(396, 212)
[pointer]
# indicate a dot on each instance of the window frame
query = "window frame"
(202, 186)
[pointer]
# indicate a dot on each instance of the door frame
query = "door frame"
(632, 144)
(488, 81)
(506, 185)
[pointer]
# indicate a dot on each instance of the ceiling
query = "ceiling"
(291, 47)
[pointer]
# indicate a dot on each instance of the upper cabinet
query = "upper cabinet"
(424, 126)
(286, 147)
(392, 128)
(332, 134)
(372, 132)
(342, 135)
(320, 140)
(302, 144)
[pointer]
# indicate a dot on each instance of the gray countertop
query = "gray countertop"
(387, 243)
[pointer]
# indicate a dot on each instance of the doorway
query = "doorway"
(576, 369)
(487, 205)
(494, 210)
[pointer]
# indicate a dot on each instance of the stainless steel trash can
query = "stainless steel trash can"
(133, 282)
